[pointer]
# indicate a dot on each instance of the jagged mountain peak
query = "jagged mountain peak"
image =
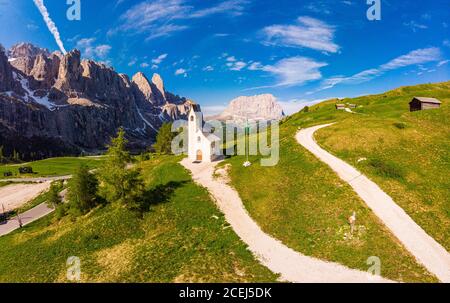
(143, 84)
(26, 50)
(159, 83)
(81, 102)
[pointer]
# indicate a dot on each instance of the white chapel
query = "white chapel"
(202, 146)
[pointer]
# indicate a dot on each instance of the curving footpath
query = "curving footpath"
(291, 265)
(426, 250)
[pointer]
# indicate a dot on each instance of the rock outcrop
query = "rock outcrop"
(54, 104)
(22, 50)
(159, 83)
(6, 76)
(259, 107)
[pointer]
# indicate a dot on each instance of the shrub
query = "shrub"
(386, 168)
(53, 195)
(400, 125)
(25, 170)
(144, 157)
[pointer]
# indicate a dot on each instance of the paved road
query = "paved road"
(37, 179)
(426, 250)
(27, 217)
(280, 259)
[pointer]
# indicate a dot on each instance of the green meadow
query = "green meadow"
(406, 153)
(300, 201)
(182, 238)
(52, 166)
(305, 205)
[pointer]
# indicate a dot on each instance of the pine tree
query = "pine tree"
(164, 139)
(118, 184)
(82, 191)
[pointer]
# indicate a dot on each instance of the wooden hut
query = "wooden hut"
(423, 103)
(340, 106)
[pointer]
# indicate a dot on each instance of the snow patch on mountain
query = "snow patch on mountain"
(44, 101)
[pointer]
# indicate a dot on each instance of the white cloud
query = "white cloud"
(208, 68)
(236, 66)
(159, 59)
(91, 51)
(443, 63)
(255, 66)
(102, 50)
(144, 65)
(162, 18)
(32, 26)
(414, 26)
(50, 24)
(419, 56)
(165, 31)
(307, 32)
(232, 63)
(318, 7)
(293, 71)
(132, 62)
(232, 7)
(181, 71)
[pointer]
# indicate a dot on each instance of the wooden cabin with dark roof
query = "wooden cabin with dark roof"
(424, 103)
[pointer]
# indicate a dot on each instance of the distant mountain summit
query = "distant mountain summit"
(259, 107)
(53, 104)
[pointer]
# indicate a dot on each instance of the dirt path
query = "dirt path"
(291, 265)
(426, 250)
(15, 195)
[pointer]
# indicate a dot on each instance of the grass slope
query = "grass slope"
(408, 154)
(52, 166)
(183, 238)
(305, 205)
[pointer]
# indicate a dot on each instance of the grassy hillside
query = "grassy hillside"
(52, 166)
(408, 154)
(305, 205)
(183, 238)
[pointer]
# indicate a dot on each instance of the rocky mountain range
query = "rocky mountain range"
(53, 104)
(259, 107)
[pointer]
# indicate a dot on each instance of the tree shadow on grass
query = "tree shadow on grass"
(159, 194)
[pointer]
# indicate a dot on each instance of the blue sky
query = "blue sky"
(215, 50)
